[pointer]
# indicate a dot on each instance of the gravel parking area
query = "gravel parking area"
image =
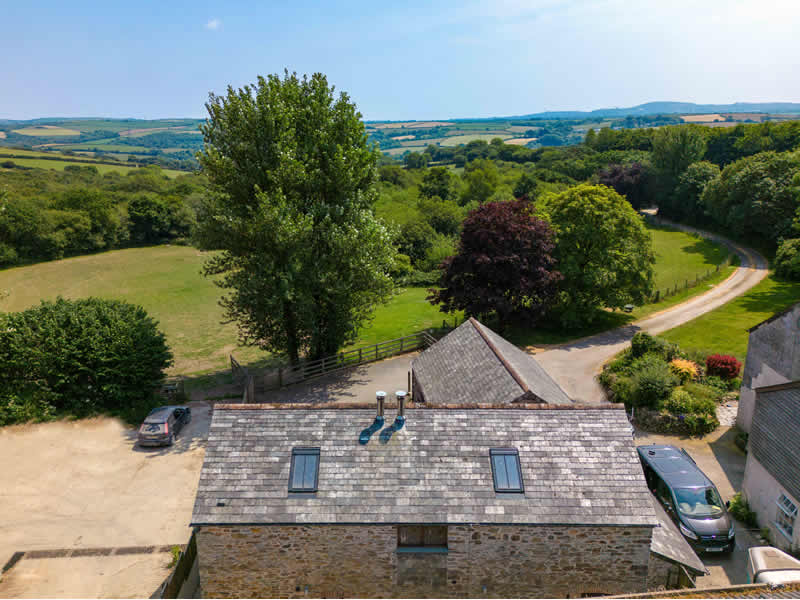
(85, 485)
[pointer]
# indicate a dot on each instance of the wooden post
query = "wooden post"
(408, 389)
(280, 377)
(360, 359)
(376, 351)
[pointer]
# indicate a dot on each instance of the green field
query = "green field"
(31, 153)
(681, 257)
(104, 147)
(45, 131)
(63, 161)
(466, 138)
(724, 330)
(167, 282)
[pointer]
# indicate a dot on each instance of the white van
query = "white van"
(770, 565)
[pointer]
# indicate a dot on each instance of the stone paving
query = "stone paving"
(726, 413)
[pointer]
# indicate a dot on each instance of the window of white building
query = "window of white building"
(786, 515)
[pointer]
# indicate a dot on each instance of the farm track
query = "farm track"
(574, 365)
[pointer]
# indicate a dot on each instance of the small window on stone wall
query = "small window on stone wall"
(422, 536)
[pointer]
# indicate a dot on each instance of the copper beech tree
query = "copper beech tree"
(504, 265)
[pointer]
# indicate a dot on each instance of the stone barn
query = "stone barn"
(473, 364)
(506, 500)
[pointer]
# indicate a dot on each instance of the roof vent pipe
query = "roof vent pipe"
(377, 423)
(380, 396)
(401, 405)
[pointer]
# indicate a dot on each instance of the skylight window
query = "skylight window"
(506, 470)
(304, 471)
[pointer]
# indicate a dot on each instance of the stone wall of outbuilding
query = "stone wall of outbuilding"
(484, 561)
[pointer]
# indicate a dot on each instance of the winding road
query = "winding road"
(575, 365)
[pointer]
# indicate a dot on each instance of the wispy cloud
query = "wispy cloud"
(213, 24)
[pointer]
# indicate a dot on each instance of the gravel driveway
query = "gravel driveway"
(84, 485)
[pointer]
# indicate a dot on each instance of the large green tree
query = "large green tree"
(674, 149)
(603, 250)
(756, 195)
(303, 259)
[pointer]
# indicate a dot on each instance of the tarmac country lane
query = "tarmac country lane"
(575, 365)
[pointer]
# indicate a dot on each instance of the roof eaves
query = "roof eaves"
(777, 315)
(789, 385)
(469, 406)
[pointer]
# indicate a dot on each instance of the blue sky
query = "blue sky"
(397, 60)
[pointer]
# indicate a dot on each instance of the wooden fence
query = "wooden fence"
(659, 295)
(182, 570)
(309, 369)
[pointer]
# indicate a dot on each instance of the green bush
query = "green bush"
(741, 511)
(787, 260)
(621, 362)
(652, 384)
(681, 402)
(644, 343)
(700, 424)
(79, 357)
(623, 390)
(422, 278)
(703, 392)
(645, 362)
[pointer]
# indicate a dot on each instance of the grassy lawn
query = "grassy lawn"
(605, 320)
(406, 313)
(167, 282)
(724, 330)
(681, 256)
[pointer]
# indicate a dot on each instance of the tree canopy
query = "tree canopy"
(304, 260)
(756, 195)
(504, 265)
(78, 357)
(603, 251)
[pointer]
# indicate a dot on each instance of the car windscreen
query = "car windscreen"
(152, 427)
(699, 502)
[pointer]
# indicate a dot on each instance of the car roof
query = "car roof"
(162, 412)
(673, 466)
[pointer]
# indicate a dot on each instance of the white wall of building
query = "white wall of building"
(762, 491)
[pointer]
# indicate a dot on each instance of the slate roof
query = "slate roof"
(669, 544)
(775, 433)
(474, 364)
(579, 466)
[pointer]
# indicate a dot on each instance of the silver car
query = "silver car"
(163, 424)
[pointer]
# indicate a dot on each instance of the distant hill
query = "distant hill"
(669, 108)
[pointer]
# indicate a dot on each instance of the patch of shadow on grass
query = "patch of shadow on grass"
(781, 295)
